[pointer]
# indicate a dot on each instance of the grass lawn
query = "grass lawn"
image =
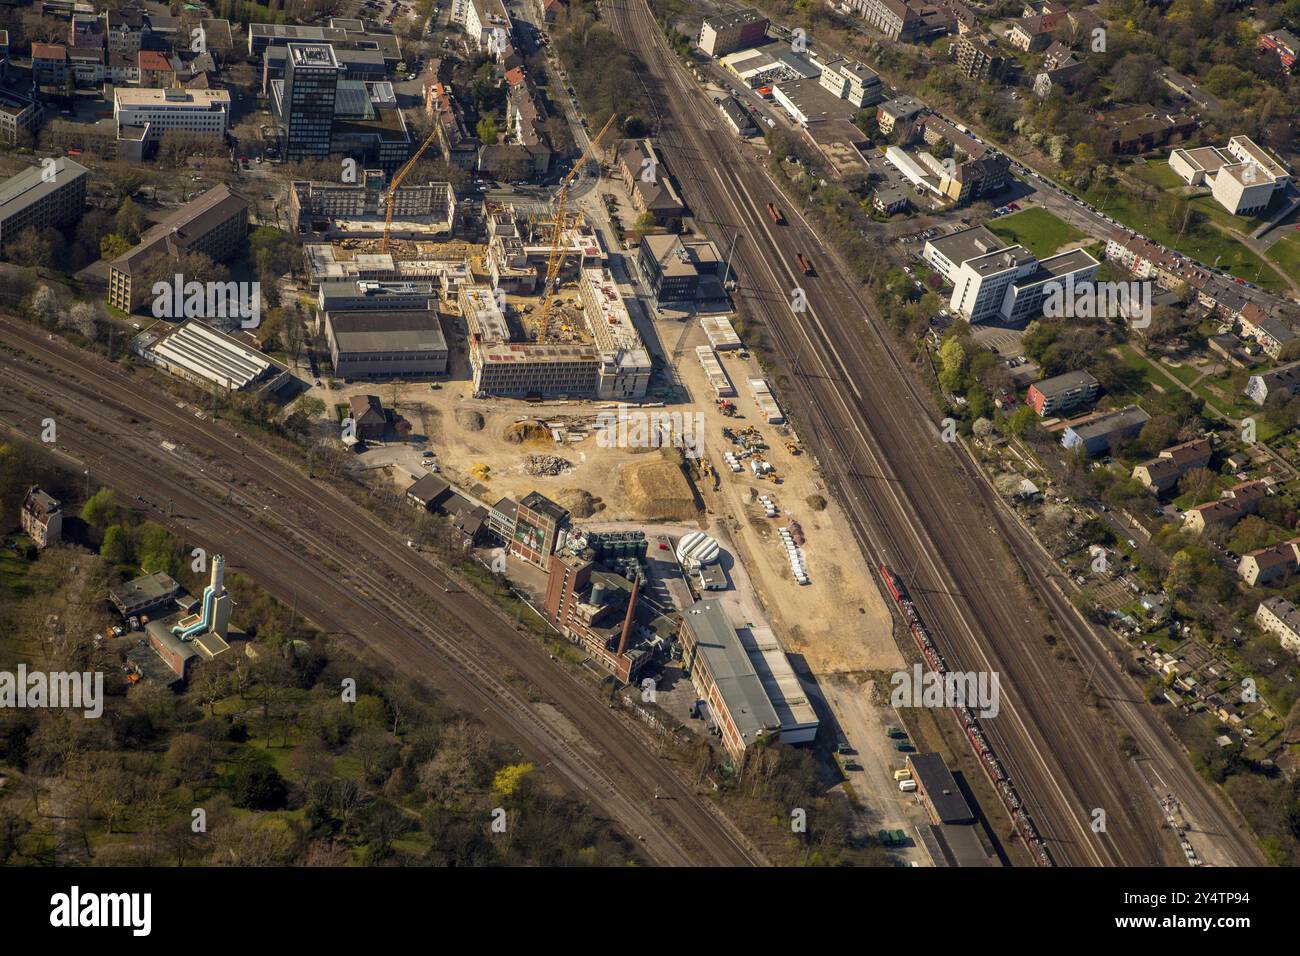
(1286, 252)
(13, 573)
(1155, 376)
(1206, 244)
(1157, 173)
(1036, 229)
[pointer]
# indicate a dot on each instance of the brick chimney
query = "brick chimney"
(631, 612)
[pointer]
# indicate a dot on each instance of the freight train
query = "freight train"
(988, 759)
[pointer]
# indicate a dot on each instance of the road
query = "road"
(919, 504)
(312, 548)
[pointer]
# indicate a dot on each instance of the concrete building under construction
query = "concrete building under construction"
(359, 209)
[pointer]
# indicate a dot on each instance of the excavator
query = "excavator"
(556, 258)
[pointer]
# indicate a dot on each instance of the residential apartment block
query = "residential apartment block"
(1224, 512)
(1277, 615)
(1063, 394)
(1284, 44)
(1283, 380)
(1266, 565)
(215, 224)
(41, 517)
(40, 197)
(978, 58)
(1162, 473)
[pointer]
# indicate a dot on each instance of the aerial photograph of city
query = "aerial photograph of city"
(852, 436)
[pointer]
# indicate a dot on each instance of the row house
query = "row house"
(1162, 473)
(1267, 565)
(1237, 502)
(1271, 333)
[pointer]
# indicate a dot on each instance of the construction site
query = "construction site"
(550, 388)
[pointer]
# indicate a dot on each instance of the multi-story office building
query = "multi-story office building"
(730, 32)
(215, 224)
(673, 267)
(1011, 283)
(894, 18)
(36, 199)
(205, 112)
(852, 81)
(311, 78)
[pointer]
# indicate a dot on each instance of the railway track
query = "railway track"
(461, 647)
(920, 505)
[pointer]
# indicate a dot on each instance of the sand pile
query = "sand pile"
(528, 430)
(658, 489)
(581, 503)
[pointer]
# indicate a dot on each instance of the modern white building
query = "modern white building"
(206, 112)
(1242, 178)
(485, 22)
(1010, 283)
(852, 81)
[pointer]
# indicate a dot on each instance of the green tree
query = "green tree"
(487, 130)
(952, 361)
(101, 509)
(1023, 420)
(112, 246)
(129, 220)
(114, 548)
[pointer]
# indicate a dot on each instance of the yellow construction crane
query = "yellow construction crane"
(556, 258)
(397, 181)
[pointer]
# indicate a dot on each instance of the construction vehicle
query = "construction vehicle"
(396, 181)
(793, 447)
(556, 259)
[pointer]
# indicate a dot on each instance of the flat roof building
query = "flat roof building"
(379, 344)
(144, 594)
(1063, 393)
(41, 197)
(215, 224)
(160, 111)
(935, 783)
(1099, 434)
(722, 672)
(729, 32)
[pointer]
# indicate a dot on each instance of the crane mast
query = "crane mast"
(556, 258)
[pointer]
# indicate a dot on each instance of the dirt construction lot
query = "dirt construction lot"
(838, 622)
